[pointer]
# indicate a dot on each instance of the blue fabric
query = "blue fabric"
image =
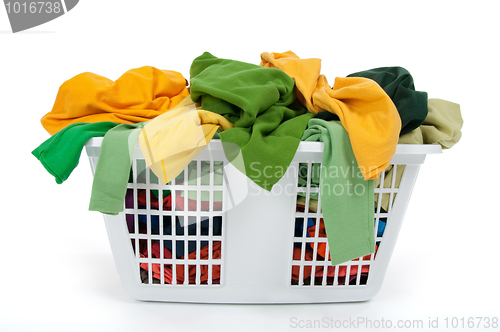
(381, 226)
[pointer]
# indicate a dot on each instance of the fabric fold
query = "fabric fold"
(397, 82)
(112, 172)
(442, 125)
(138, 95)
(60, 153)
(346, 197)
(260, 102)
(170, 141)
(366, 112)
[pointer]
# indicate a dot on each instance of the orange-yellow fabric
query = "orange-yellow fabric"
(139, 95)
(366, 112)
(170, 141)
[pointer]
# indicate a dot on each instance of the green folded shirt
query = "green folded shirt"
(261, 103)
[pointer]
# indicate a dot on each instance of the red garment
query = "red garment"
(179, 202)
(322, 234)
(193, 204)
(312, 231)
(156, 269)
(331, 269)
(141, 200)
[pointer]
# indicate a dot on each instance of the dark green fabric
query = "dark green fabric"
(60, 153)
(397, 82)
(327, 116)
(261, 103)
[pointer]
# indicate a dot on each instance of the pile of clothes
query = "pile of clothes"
(260, 113)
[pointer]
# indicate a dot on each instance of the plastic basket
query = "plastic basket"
(228, 241)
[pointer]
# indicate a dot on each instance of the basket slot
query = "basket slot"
(175, 229)
(310, 251)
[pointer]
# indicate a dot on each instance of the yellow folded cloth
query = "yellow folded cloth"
(366, 112)
(138, 95)
(171, 140)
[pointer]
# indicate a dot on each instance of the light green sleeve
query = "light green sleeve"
(113, 168)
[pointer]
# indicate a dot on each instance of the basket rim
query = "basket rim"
(216, 144)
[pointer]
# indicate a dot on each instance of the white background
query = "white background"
(57, 273)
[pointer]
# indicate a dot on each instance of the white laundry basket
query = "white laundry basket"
(244, 244)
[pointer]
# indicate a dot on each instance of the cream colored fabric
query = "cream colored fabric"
(442, 126)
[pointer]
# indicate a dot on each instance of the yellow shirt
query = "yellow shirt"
(170, 141)
(366, 112)
(138, 95)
